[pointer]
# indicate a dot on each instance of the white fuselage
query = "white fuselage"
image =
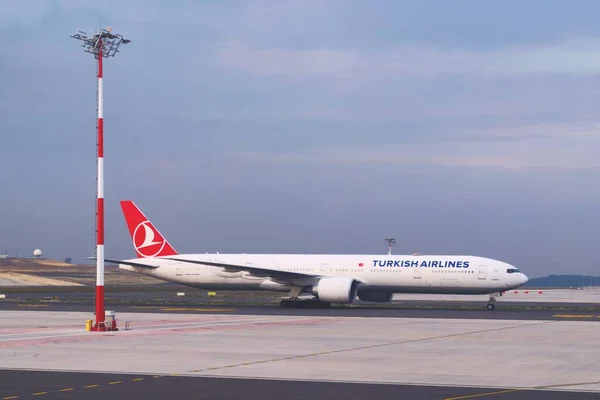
(378, 273)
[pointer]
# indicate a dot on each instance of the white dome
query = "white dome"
(37, 253)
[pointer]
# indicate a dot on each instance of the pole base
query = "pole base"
(103, 328)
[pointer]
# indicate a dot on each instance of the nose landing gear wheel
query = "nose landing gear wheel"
(491, 306)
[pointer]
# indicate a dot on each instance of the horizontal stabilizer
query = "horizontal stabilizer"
(130, 263)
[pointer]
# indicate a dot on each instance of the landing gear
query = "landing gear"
(293, 301)
(297, 303)
(491, 306)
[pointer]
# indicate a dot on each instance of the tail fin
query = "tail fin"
(147, 240)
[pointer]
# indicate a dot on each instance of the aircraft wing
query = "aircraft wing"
(130, 263)
(283, 276)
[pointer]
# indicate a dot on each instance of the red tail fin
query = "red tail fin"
(147, 240)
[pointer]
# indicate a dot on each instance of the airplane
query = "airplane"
(329, 278)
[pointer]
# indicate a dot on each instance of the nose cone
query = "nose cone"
(524, 279)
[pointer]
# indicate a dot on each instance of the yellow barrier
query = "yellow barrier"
(212, 293)
(88, 325)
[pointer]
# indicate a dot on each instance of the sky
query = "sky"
(308, 126)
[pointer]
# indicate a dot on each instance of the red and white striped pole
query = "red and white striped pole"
(100, 313)
(103, 44)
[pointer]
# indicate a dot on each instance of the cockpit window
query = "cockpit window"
(512, 270)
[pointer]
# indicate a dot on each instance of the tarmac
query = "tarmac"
(74, 385)
(215, 354)
(537, 344)
(540, 313)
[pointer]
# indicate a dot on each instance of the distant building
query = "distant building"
(37, 253)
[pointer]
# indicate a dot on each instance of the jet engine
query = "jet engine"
(376, 297)
(336, 290)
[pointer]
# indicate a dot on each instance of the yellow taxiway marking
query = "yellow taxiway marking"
(70, 389)
(574, 316)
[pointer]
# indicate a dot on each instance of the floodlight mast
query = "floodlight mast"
(390, 242)
(102, 45)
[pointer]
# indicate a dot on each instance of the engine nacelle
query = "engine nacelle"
(336, 290)
(376, 297)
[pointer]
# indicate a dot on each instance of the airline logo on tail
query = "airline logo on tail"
(147, 240)
(143, 240)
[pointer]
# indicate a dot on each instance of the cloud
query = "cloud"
(559, 146)
(415, 155)
(551, 148)
(419, 59)
(287, 62)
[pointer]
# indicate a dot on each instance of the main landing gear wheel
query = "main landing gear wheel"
(295, 303)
